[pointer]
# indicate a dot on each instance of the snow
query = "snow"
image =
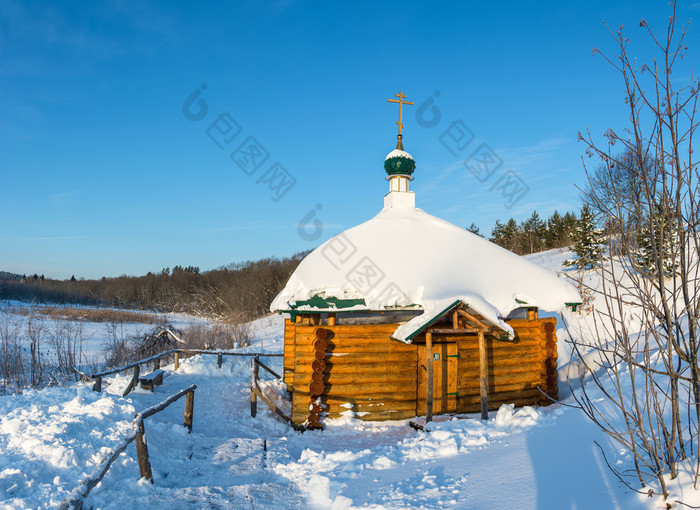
(398, 153)
(404, 256)
(94, 335)
(525, 458)
(521, 458)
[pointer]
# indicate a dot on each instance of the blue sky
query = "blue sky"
(102, 174)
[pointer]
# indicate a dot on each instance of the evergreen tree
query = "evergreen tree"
(569, 225)
(474, 229)
(554, 231)
(588, 241)
(512, 236)
(497, 233)
(659, 233)
(533, 233)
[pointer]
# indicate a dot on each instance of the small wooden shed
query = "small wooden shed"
(335, 364)
(408, 315)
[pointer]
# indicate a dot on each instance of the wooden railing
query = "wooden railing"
(76, 498)
(136, 365)
(256, 393)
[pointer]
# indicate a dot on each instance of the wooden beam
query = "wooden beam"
(142, 453)
(455, 320)
(483, 374)
(331, 319)
(253, 386)
(276, 409)
(472, 318)
(189, 411)
(429, 382)
(134, 381)
(461, 331)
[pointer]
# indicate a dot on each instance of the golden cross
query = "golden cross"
(401, 96)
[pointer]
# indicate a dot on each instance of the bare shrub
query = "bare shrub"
(122, 349)
(11, 362)
(154, 342)
(239, 330)
(207, 336)
(66, 338)
(118, 350)
(36, 331)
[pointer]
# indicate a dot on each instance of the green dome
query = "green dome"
(399, 162)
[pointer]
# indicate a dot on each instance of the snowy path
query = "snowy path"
(222, 464)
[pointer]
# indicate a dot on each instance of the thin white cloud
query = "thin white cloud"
(46, 238)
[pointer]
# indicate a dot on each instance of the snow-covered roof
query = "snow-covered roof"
(398, 153)
(405, 256)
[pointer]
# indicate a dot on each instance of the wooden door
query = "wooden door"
(445, 356)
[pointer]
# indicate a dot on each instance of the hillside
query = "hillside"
(242, 290)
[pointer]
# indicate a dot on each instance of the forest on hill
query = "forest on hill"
(533, 234)
(243, 290)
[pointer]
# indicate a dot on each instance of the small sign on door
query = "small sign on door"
(436, 356)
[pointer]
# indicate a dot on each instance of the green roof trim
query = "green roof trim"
(439, 315)
(573, 306)
(436, 317)
(329, 302)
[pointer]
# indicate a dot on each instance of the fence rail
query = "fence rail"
(136, 365)
(76, 499)
(257, 393)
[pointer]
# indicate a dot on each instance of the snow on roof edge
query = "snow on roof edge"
(435, 309)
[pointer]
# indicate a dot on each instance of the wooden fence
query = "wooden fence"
(256, 393)
(76, 499)
(136, 365)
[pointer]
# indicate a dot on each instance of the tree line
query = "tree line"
(243, 289)
(533, 234)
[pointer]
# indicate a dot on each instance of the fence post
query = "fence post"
(142, 454)
(253, 386)
(156, 364)
(134, 381)
(97, 386)
(219, 359)
(177, 360)
(189, 410)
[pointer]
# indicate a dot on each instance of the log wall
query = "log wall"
(377, 378)
(515, 369)
(364, 371)
(289, 333)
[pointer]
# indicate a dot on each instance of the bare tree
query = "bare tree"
(35, 333)
(617, 187)
(66, 338)
(11, 362)
(647, 322)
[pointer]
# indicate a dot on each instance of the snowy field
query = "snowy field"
(520, 459)
(94, 334)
